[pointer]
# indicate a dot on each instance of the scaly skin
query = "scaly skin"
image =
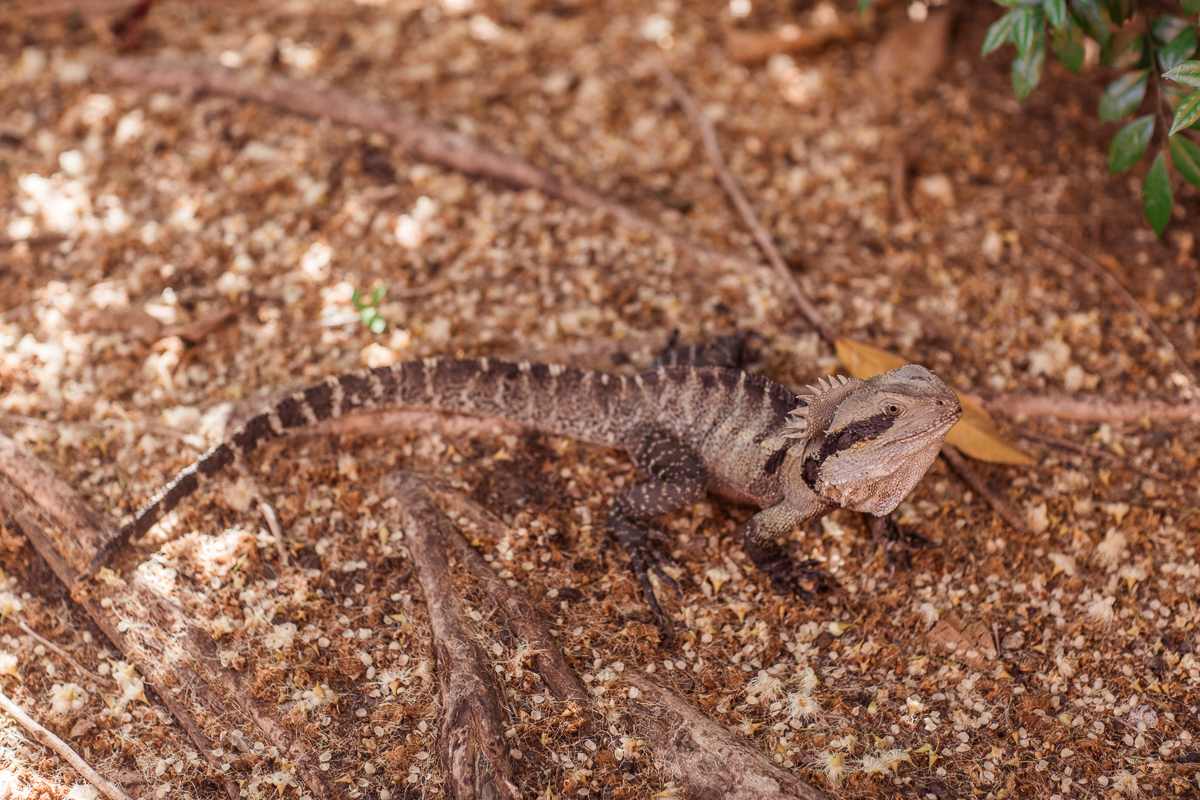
(857, 444)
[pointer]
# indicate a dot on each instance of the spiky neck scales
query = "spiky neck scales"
(869, 442)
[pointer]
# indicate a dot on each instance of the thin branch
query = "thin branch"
(705, 757)
(738, 198)
(1112, 284)
(471, 746)
(272, 518)
(80, 668)
(977, 482)
(1067, 444)
(64, 751)
(1089, 408)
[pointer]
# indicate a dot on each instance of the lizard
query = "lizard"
(692, 430)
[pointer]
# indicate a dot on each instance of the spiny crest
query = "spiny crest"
(797, 427)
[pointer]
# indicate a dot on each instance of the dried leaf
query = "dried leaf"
(976, 434)
(971, 642)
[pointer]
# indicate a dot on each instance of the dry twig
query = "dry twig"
(1089, 408)
(177, 659)
(705, 757)
(1111, 283)
(64, 751)
(738, 198)
(80, 668)
(1113, 458)
(517, 612)
(471, 744)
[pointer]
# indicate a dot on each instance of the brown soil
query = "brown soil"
(1075, 674)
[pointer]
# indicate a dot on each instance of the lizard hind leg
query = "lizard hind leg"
(676, 478)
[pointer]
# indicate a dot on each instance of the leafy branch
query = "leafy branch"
(1162, 51)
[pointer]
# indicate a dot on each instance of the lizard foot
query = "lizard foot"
(787, 575)
(897, 543)
(644, 559)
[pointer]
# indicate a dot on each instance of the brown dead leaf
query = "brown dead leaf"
(977, 435)
(973, 642)
(81, 727)
(914, 53)
(195, 332)
(121, 320)
(747, 47)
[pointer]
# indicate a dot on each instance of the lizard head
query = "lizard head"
(879, 438)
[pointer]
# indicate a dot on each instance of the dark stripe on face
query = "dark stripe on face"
(858, 431)
(253, 432)
(811, 472)
(773, 463)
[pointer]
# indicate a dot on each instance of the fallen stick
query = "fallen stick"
(471, 744)
(423, 140)
(764, 240)
(1111, 283)
(178, 660)
(1089, 408)
(64, 751)
(1093, 452)
(516, 610)
(959, 464)
(704, 756)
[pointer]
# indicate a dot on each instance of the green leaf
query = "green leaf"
(1093, 19)
(356, 300)
(1027, 69)
(1000, 32)
(863, 5)
(1166, 28)
(378, 294)
(1130, 143)
(1187, 73)
(378, 325)
(1028, 25)
(1156, 195)
(1068, 45)
(1185, 155)
(1123, 96)
(1123, 51)
(1190, 6)
(1175, 95)
(1178, 50)
(1187, 114)
(1119, 10)
(1056, 12)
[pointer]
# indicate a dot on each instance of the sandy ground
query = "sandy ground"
(133, 214)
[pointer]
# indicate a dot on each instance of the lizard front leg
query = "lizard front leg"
(676, 479)
(759, 540)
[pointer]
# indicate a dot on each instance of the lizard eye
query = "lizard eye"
(892, 410)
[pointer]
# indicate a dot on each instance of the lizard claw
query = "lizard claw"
(787, 575)
(643, 560)
(897, 543)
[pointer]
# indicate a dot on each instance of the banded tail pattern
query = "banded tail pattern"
(591, 406)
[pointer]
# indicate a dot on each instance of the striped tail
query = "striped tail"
(586, 405)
